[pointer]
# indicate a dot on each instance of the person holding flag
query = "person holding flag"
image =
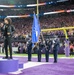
(29, 48)
(56, 46)
(35, 35)
(35, 30)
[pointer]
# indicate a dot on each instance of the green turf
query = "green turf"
(35, 55)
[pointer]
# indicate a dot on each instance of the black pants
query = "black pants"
(55, 53)
(39, 55)
(3, 49)
(7, 42)
(29, 54)
(71, 51)
(47, 55)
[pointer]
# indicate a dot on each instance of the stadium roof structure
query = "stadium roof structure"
(8, 2)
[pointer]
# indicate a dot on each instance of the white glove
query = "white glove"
(53, 41)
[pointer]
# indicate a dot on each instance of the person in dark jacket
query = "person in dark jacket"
(29, 48)
(7, 30)
(56, 45)
(47, 49)
(39, 48)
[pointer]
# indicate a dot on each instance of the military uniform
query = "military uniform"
(29, 48)
(40, 46)
(55, 49)
(49, 46)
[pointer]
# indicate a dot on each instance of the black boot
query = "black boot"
(10, 58)
(5, 57)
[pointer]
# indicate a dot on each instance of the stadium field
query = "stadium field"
(35, 55)
(64, 66)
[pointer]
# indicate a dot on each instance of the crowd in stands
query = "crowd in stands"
(23, 26)
(51, 8)
(29, 10)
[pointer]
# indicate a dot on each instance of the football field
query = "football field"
(64, 66)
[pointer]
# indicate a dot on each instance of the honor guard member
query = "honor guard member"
(47, 49)
(39, 48)
(56, 45)
(7, 31)
(29, 48)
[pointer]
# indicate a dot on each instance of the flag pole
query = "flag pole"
(37, 14)
(38, 9)
(38, 19)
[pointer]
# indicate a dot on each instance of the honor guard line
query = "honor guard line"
(55, 29)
